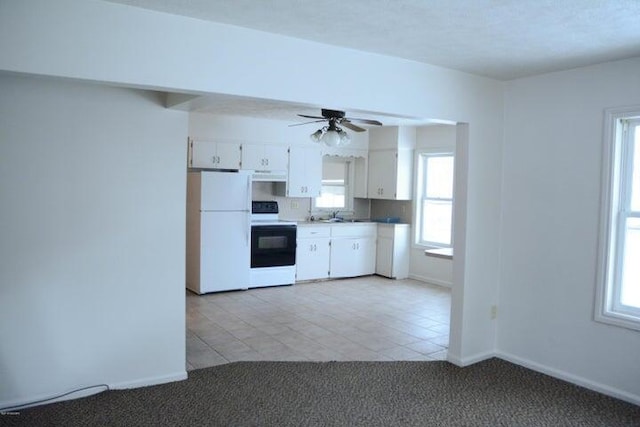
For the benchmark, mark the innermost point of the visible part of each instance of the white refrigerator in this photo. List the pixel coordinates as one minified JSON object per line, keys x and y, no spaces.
{"x":218,"y":231}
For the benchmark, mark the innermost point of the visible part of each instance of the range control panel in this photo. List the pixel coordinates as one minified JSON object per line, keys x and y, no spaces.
{"x":264,"y":207}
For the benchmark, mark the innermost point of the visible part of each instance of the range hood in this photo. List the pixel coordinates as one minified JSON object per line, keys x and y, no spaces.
{"x":269,"y":176}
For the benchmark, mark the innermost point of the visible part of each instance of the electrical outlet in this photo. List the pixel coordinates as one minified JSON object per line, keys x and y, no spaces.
{"x":494,"y":311}
{"x":294,"y":204}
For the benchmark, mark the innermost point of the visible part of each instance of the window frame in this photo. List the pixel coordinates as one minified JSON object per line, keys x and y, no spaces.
{"x":616,"y":197}
{"x":420,"y":195}
{"x":349,"y":188}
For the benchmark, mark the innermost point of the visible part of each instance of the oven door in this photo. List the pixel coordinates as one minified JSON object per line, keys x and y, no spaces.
{"x":273,"y":245}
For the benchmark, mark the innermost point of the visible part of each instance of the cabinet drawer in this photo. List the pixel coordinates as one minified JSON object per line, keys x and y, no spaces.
{"x":313,"y":231}
{"x":354,"y":230}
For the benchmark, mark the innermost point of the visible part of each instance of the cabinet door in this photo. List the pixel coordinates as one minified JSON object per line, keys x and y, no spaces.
{"x":382,"y":175}
{"x":312,"y":259}
{"x":203,"y":154}
{"x":384,"y":257}
{"x":264,"y":157}
{"x":228,"y":154}
{"x":253,"y":157}
{"x":342,"y":257}
{"x":366,"y":256}
{"x":305,"y":172}
{"x":352,"y":257}
{"x":276,"y":157}
{"x":214,"y":155}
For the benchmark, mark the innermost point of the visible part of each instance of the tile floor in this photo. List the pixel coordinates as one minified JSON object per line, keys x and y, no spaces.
{"x":367,"y":318}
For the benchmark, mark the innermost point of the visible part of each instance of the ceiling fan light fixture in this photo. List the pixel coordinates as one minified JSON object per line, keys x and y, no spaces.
{"x":331,"y":136}
{"x":317,"y":135}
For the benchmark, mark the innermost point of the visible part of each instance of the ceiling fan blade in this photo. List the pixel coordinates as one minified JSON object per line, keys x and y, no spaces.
{"x":349,"y":125}
{"x":365,"y":121}
{"x":306,"y":123}
{"x":312,"y":117}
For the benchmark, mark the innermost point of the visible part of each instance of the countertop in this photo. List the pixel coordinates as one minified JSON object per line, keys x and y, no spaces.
{"x":346,"y":222}
{"x":324,"y":222}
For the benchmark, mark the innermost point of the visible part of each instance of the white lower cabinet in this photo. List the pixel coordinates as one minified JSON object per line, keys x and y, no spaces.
{"x":353,"y":250}
{"x":352,"y":257}
{"x":337,"y":250}
{"x":312,"y":252}
{"x":392,"y":257}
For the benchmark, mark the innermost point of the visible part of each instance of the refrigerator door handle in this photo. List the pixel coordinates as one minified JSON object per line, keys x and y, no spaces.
{"x":248,"y":223}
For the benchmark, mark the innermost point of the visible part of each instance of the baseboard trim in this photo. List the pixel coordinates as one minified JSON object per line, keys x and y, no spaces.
{"x":88,"y":391}
{"x":17,"y":405}
{"x":466,"y":361}
{"x":144,"y":382}
{"x":430,"y":280}
{"x":574,"y":379}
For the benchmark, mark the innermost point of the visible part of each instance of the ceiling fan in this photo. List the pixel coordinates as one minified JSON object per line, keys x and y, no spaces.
{"x":332,"y":135}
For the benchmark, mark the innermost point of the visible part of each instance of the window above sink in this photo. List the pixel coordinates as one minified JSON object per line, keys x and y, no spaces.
{"x":337,"y":187}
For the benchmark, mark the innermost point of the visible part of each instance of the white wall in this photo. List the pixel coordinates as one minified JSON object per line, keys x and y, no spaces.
{"x":92,"y":184}
{"x":431,"y":269}
{"x":551,"y":190}
{"x":107,"y":42}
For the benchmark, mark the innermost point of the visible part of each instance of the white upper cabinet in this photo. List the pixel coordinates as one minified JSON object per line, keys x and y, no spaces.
{"x":214,"y":154}
{"x":264,"y":157}
{"x":390,"y":169}
{"x":382,"y":183}
{"x":305,"y":172}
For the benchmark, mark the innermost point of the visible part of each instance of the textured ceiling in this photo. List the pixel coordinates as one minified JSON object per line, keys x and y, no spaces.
{"x":502,"y":39}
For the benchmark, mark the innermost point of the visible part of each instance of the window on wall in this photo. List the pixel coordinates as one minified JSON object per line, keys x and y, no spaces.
{"x":434,"y":201}
{"x":619,"y":267}
{"x":335,"y":193}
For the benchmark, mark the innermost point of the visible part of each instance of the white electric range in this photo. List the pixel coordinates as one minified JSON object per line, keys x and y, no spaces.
{"x":273,"y":247}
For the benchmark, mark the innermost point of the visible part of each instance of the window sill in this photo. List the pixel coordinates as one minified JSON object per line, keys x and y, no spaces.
{"x":444,"y":253}
{"x":618,"y":319}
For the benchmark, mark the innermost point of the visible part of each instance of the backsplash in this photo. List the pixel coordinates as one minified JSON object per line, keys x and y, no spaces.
{"x":392,"y":208}
{"x":299,"y":208}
